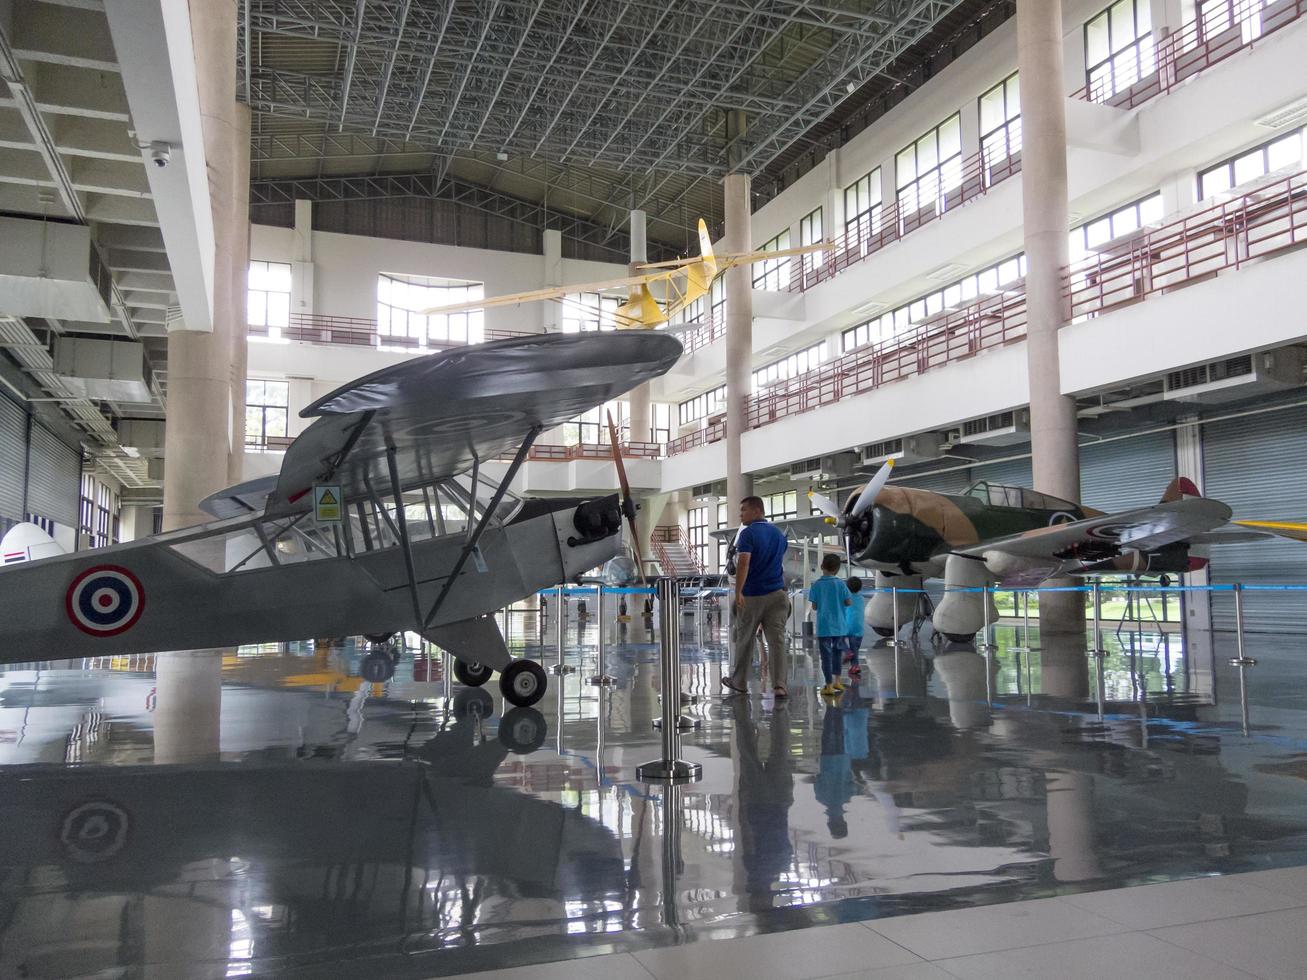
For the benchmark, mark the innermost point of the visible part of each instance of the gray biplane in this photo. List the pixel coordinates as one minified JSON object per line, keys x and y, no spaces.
{"x":425,"y":541}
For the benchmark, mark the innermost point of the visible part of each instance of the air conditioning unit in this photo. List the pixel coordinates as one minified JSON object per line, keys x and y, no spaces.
{"x":1003,"y":429}
{"x":824,"y":467}
{"x":922,"y":447}
{"x":705,"y":490}
{"x":1236,"y":377}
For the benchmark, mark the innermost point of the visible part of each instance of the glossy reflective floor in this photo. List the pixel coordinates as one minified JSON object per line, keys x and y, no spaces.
{"x":266,"y":810}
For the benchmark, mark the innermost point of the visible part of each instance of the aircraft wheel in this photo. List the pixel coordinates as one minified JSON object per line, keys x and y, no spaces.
{"x":885,"y":631}
{"x":472,"y":675}
{"x":474,"y":703}
{"x":961,"y":637}
{"x":523,"y":682}
{"x":523,"y":730}
{"x":377,"y":668}
{"x":378,"y":638}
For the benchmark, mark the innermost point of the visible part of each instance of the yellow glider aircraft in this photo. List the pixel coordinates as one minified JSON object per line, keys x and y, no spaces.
{"x":682,"y":280}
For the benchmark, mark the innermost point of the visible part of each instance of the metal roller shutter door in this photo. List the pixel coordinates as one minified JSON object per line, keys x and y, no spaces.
{"x":13,"y":459}
{"x":1011,"y":473}
{"x":1127,"y":473}
{"x":954,"y":482}
{"x":1258,"y":465}
{"x":53,"y":478}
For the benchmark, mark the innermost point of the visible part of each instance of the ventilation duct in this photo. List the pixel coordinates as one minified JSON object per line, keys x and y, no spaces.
{"x":102,"y":370}
{"x":50,"y":269}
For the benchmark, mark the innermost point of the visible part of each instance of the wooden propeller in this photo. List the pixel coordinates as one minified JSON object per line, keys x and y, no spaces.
{"x":628,"y":505}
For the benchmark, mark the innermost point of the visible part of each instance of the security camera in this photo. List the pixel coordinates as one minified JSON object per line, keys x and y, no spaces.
{"x":160,"y":153}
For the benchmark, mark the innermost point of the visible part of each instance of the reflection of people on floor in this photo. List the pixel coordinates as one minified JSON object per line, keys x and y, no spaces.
{"x":766,"y":794}
{"x":834,"y":780}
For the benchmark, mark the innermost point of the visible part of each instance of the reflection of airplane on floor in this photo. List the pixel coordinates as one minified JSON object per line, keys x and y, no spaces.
{"x":1015,"y":537}
{"x":367,"y":847}
{"x":421,"y":540}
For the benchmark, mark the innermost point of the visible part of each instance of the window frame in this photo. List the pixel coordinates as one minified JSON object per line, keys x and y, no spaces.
{"x":775,"y":274}
{"x":263,"y":406}
{"x":1230,"y":164}
{"x":258,"y":299}
{"x":1134,"y":48}
{"x":1009,"y":128}
{"x":944,"y":174}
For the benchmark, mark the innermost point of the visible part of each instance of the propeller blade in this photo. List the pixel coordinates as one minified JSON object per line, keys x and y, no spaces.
{"x":824,"y":504}
{"x":872,"y":489}
{"x":628,"y":505}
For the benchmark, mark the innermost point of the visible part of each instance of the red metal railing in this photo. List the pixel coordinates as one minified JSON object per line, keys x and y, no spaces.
{"x":706,"y":330}
{"x":594,"y":450}
{"x":1263,"y":222}
{"x":885,"y":226}
{"x":660,"y":537}
{"x":1221,"y":30}
{"x":353,"y":331}
{"x":1223,"y":236}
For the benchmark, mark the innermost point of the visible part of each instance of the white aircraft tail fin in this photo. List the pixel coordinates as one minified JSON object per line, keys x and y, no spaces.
{"x":27,"y":542}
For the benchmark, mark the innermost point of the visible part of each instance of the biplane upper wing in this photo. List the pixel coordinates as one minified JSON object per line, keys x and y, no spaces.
{"x":1141,"y":529}
{"x":443,"y":411}
{"x":794,"y":527}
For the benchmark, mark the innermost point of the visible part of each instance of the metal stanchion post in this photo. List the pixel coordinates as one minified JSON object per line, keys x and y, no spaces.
{"x":984,"y":630}
{"x":446,"y":672}
{"x":894,"y":601}
{"x":1242,"y":661}
{"x":557,"y":668}
{"x":1100,"y":655}
{"x":602,"y":678}
{"x":670,"y":768}
{"x":1024,"y":646}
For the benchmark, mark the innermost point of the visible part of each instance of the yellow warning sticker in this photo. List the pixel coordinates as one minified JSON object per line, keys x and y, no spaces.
{"x":326,"y":504}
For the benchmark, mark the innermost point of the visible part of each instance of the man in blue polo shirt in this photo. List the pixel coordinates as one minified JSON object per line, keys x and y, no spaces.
{"x":760,"y":598}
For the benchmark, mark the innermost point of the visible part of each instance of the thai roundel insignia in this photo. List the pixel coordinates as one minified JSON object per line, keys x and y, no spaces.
{"x":105,"y":600}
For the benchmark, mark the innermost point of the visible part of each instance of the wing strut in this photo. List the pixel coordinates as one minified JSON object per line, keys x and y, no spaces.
{"x":402,"y":519}
{"x":475,"y":536}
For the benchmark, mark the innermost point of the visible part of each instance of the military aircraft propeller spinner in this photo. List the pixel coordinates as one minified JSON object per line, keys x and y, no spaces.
{"x":422,"y":540}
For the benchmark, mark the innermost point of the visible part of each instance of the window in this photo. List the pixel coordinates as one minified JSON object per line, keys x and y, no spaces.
{"x":987,"y":281}
{"x":862,"y":207}
{"x":774,"y":274}
{"x":713,"y":305}
{"x":1283,"y":151}
{"x":780,"y":505}
{"x":1000,"y":123}
{"x":1217,"y":16}
{"x":788,"y":367}
{"x":702,"y":406}
{"x":588,"y":312}
{"x":810,"y":234}
{"x":98,"y":514}
{"x":926,"y":170}
{"x":1118,"y":48}
{"x":723,"y":545}
{"x":1092,"y":235}
{"x":267,"y":296}
{"x":401,"y":322}
{"x":697,"y":528}
{"x":265,"y":410}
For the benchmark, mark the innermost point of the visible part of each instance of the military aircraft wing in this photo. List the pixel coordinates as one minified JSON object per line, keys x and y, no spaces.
{"x":442,"y":411}
{"x":794,"y":527}
{"x":1141,"y":529}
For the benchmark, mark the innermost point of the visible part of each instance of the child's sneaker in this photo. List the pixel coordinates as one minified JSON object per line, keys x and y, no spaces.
{"x":828,"y":691}
{"x":837,"y":687}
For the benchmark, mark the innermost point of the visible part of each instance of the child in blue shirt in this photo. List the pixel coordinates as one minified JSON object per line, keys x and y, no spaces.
{"x":830,"y":597}
{"x":854,"y":625}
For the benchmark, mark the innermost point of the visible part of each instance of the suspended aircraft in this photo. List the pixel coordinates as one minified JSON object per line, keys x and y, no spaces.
{"x":1015,"y":537}
{"x":680,"y":281}
{"x":417,"y":537}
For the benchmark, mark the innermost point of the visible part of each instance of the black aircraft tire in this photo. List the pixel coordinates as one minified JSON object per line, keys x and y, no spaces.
{"x":522,"y":730}
{"x":377,"y":668}
{"x":378,"y":638}
{"x":885,"y":631}
{"x":472,"y":675}
{"x":472,"y":702}
{"x":961,"y":637}
{"x":523,"y":683}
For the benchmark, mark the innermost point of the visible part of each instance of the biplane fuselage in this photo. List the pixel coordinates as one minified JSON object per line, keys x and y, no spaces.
{"x":189,"y":589}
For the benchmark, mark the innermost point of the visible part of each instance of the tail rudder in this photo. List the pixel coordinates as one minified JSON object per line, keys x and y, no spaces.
{"x":1180,"y":487}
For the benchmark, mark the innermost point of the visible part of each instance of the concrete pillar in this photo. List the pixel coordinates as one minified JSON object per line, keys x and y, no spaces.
{"x":1069,"y":802}
{"x":240,"y":265}
{"x":301,"y":267}
{"x":641,"y":413}
{"x":188,"y":706}
{"x":198,"y":437}
{"x":739,"y":334}
{"x":552,"y":245}
{"x":1054,"y":449}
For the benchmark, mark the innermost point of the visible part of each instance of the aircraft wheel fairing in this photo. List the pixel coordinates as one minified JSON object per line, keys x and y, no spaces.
{"x":472,"y":702}
{"x":378,"y":638}
{"x":885,"y":631}
{"x":377,"y":668}
{"x":523,"y":683}
{"x":960,"y":637}
{"x":523,"y":730}
{"x":473,"y":675}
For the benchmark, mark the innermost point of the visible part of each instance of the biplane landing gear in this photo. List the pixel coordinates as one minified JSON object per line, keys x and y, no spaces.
{"x":379,"y":639}
{"x":522,"y":730}
{"x":377,"y":667}
{"x":523,"y":683}
{"x":472,"y":675}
